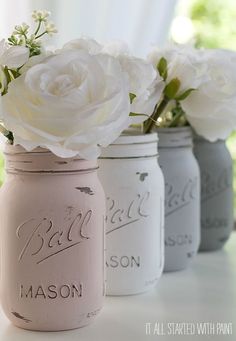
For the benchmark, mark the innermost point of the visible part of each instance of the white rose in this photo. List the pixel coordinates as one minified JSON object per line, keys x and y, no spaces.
{"x":85,"y":43}
{"x":12,"y":57}
{"x":144,"y":81}
{"x":116,"y":48}
{"x":36,"y":60}
{"x":70,"y":103}
{"x":183,"y":63}
{"x":211,"y":109}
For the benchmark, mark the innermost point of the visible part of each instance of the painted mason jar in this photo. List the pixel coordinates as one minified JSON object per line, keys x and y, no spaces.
{"x":182,"y":197}
{"x":134,"y":188}
{"x":52,"y":240}
{"x":217,"y":218}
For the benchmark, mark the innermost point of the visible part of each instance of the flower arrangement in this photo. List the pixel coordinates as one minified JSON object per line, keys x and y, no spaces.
{"x":74,"y":100}
{"x":17,"y":51}
{"x":81,"y":97}
{"x":200,"y":90}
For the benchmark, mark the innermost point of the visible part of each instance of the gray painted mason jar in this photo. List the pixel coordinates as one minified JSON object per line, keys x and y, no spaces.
{"x":217,"y":218}
{"x":182,"y":197}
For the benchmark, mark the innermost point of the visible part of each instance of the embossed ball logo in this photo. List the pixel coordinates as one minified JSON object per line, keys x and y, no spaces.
{"x":43,"y":238}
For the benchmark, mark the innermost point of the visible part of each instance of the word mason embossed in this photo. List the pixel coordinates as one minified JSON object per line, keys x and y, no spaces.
{"x":51,"y":291}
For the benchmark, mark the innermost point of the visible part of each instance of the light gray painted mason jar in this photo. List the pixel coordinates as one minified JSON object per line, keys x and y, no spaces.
{"x":217,"y":217}
{"x":182,"y":197}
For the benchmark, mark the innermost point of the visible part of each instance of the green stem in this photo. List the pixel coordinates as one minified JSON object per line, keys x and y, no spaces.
{"x":150,"y":122}
{"x":38,"y":28}
{"x":8,"y":134}
{"x":19,"y":68}
{"x":40,"y":35}
{"x":8,"y":77}
{"x":25,"y":36}
{"x":175,"y":120}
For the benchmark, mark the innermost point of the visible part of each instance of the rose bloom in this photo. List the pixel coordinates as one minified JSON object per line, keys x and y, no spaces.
{"x":211,"y":108}
{"x":144,"y":82}
{"x":85,"y":43}
{"x":13,"y":57}
{"x":183,"y":63}
{"x":70,"y":103}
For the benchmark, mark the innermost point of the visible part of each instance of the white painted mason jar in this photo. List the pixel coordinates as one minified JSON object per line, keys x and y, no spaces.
{"x":217,"y":215}
{"x":134,"y":187}
{"x":182,"y":197}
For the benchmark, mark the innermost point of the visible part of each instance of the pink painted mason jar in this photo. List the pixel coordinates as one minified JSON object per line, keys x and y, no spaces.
{"x":52,"y":240}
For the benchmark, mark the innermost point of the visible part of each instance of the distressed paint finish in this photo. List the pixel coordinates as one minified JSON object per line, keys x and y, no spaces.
{"x":182,"y":197}
{"x":217,"y":216}
{"x":52,"y":241}
{"x":134,"y":188}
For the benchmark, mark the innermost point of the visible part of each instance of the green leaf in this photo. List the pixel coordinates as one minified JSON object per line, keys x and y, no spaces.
{"x":172,"y":88}
{"x":10,"y":137}
{"x":135,"y":114}
{"x":149,"y":117}
{"x":132,"y":97}
{"x":184,"y":95}
{"x":12,"y":40}
{"x":162,"y":68}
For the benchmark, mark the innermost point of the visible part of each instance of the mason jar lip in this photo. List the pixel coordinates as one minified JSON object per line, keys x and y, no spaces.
{"x":176,"y":137}
{"x":174,"y":130}
{"x":43,"y":161}
{"x":134,"y":136}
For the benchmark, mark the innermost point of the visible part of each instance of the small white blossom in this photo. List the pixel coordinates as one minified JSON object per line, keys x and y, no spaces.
{"x":50,"y":28}
{"x":21,"y":29}
{"x":41,"y":15}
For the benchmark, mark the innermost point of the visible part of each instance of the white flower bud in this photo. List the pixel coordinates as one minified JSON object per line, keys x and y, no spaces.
{"x":21,"y":29}
{"x":41,"y":15}
{"x":50,"y":28}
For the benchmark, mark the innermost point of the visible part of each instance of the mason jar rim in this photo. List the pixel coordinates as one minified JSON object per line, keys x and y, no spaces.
{"x":177,"y":137}
{"x":43,"y":161}
{"x":132,"y":136}
{"x":132,"y":144}
{"x":173,"y":130}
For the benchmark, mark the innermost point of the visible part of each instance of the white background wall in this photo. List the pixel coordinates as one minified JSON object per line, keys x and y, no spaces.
{"x":139,"y":22}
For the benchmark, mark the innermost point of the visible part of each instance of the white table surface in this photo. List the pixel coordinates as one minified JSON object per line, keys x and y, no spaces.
{"x":204,"y":293}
